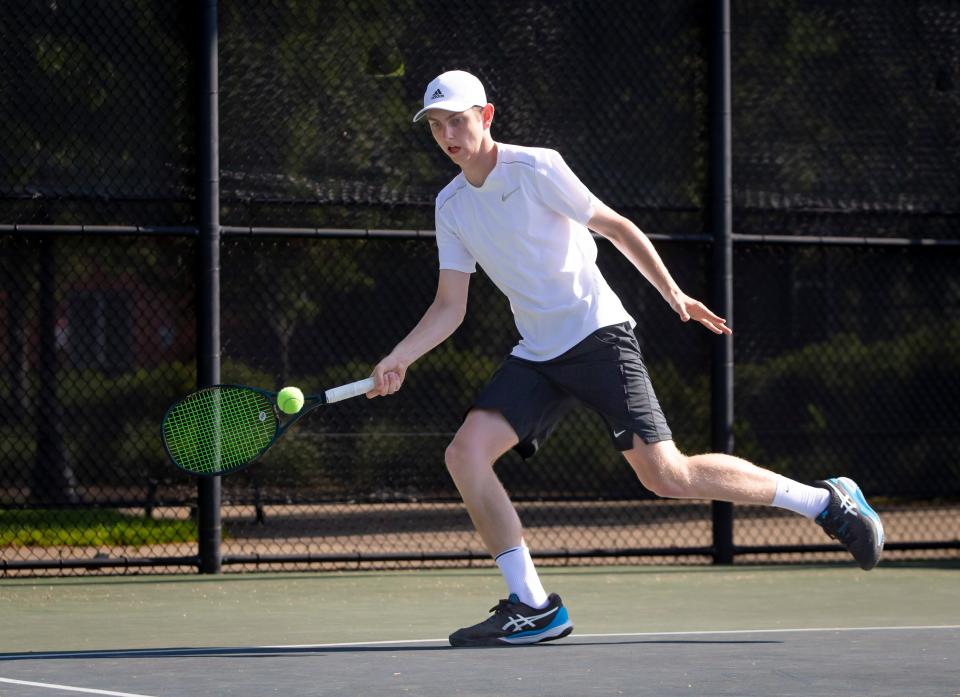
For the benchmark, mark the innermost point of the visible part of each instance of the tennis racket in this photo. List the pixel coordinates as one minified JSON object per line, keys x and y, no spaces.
{"x":224,"y":428}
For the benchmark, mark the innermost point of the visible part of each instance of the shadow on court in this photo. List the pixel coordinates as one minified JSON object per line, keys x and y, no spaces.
{"x":254,"y":652}
{"x":817,"y":663}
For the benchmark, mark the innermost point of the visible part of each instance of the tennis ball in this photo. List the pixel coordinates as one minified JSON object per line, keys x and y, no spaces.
{"x":290,"y":400}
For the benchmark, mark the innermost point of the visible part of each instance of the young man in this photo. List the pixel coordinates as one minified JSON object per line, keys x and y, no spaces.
{"x":523,"y":216}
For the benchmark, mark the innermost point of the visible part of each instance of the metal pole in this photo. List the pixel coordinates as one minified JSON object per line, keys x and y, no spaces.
{"x":208,"y":269}
{"x":721,"y":221}
{"x":52,"y":478}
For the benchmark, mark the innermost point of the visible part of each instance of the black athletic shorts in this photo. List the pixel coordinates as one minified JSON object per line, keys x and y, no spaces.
{"x":605,"y":372}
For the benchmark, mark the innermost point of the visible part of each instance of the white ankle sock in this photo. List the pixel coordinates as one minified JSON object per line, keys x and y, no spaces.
{"x":800,"y":498}
{"x":521,"y":576}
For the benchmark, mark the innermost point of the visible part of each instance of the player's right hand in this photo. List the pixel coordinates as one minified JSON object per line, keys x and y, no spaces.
{"x":389,"y":374}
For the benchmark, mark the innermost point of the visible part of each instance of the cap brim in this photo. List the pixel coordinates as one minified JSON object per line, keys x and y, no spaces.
{"x":445,"y":105}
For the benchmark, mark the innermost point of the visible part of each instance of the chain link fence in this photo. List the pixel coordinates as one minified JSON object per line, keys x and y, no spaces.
{"x":99,"y":113}
{"x":845,"y":126}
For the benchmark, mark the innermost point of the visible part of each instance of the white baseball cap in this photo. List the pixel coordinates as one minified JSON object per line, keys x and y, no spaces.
{"x":454,"y":90}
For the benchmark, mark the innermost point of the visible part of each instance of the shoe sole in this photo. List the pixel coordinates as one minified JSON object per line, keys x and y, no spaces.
{"x":550,"y":634}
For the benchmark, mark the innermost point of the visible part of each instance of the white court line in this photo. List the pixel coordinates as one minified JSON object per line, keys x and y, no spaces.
{"x":201,"y":651}
{"x":68,"y":688}
{"x":634,"y":634}
{"x":776,"y":631}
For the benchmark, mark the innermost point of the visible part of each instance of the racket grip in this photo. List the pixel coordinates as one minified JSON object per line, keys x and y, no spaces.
{"x":353,"y":389}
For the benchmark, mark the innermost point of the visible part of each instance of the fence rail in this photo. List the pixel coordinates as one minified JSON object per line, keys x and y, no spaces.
{"x":282,"y":151}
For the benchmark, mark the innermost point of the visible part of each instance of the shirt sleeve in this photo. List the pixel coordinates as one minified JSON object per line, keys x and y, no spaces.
{"x":452,"y":253}
{"x":561,"y":190}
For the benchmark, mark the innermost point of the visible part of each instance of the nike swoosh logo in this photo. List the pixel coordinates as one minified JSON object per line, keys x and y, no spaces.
{"x":504,"y":197}
{"x":617,"y":434}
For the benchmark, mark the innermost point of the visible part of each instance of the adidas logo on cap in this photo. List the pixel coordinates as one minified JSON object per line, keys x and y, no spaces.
{"x":454,"y":90}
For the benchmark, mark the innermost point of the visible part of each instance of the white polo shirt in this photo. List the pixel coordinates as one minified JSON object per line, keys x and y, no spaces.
{"x":526,"y":227}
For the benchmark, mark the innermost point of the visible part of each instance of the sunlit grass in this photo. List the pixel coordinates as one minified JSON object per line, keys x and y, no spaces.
{"x":82,"y":527}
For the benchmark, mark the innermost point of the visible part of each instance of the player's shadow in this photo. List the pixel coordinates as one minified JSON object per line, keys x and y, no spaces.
{"x":724,"y":642}
{"x":292,"y":651}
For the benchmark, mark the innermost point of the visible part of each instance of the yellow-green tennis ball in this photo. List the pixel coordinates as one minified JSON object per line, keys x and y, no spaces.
{"x":290,"y":400}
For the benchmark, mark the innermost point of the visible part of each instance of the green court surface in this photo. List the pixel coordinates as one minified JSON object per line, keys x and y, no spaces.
{"x":813,"y":631}
{"x":144,"y":612}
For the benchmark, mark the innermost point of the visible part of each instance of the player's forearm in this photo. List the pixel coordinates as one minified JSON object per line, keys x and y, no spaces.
{"x":638,"y":248}
{"x":438,"y":322}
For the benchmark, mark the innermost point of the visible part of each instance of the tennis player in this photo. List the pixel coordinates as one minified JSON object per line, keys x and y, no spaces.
{"x":524,"y":217}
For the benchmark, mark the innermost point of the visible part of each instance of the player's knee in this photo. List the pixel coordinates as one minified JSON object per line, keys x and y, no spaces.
{"x":666,"y":475}
{"x":478,"y":444}
{"x":461,"y":458}
{"x":673,"y":484}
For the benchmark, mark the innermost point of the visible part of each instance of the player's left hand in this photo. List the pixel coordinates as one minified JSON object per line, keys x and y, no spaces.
{"x":691,"y":309}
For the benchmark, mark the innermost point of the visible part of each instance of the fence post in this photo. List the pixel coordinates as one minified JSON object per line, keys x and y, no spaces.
{"x":721,"y":223}
{"x":208,"y":268}
{"x":52,"y":478}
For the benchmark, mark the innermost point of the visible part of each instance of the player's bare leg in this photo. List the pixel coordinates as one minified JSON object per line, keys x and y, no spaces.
{"x":528,"y":615}
{"x":837,"y":505}
{"x":481,"y":440}
{"x":667,"y":472}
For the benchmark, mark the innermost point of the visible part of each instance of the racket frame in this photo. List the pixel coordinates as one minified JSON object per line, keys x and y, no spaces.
{"x":310,"y":403}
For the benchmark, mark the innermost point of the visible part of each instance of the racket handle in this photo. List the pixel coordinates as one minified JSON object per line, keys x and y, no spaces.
{"x":354,"y":389}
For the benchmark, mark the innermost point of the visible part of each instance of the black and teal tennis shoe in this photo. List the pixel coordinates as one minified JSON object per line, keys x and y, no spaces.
{"x":849,"y":519}
{"x":514,"y":622}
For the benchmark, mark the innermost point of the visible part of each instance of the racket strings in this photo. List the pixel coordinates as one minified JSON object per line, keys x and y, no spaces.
{"x":219,"y":429}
